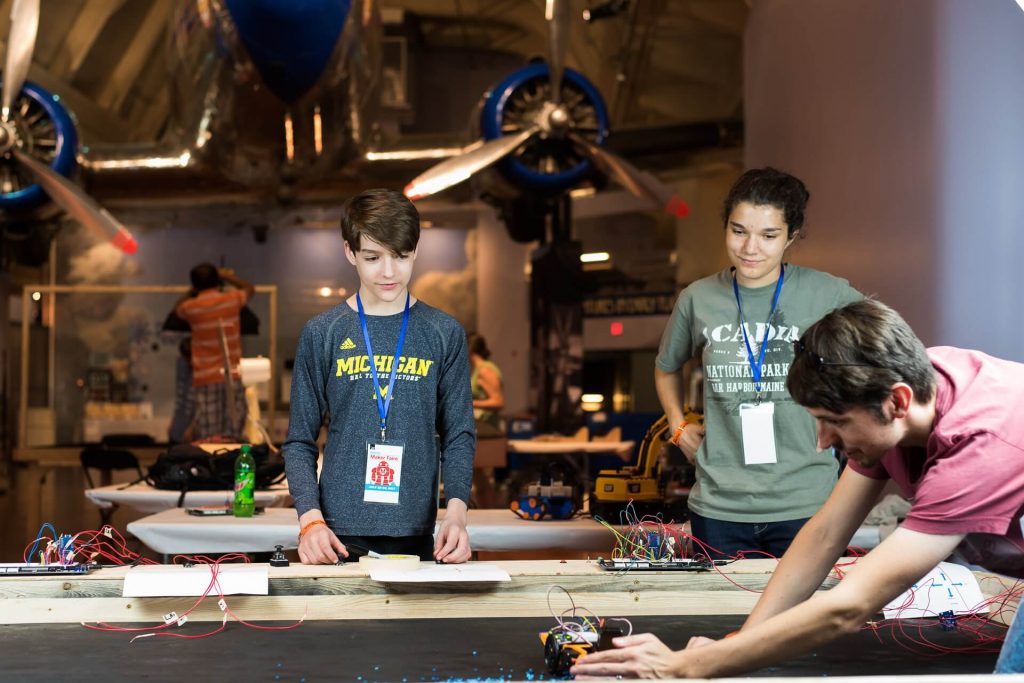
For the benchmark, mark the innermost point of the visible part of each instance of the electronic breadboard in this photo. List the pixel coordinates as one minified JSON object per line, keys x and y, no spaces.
{"x":639,"y":564}
{"x":34,"y":569}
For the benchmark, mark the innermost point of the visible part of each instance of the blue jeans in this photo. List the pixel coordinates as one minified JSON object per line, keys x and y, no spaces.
{"x":1011,"y":657}
{"x":729,"y":538}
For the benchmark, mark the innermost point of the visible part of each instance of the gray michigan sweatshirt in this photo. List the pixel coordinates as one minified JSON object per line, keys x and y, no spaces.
{"x":431,"y":407}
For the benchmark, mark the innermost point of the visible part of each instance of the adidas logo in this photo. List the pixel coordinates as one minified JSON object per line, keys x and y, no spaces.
{"x":348,"y":344}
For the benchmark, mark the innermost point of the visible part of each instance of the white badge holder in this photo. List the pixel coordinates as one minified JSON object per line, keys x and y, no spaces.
{"x":757,"y":422}
{"x":383,"y":481}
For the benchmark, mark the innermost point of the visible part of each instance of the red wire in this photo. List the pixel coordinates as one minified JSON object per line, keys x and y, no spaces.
{"x":159,"y":630}
{"x":912,"y":634}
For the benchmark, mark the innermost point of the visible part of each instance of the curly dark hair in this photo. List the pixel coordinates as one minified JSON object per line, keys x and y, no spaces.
{"x":770,"y":187}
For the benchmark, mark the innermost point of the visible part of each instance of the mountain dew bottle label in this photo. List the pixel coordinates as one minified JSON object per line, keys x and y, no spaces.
{"x":245,"y":483}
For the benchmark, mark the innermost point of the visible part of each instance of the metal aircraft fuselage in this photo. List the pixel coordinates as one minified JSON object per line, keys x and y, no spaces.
{"x":270,"y":91}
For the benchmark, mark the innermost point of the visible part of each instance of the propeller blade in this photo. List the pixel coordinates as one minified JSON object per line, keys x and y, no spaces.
{"x":557,"y":14}
{"x":453,"y":171}
{"x":73,"y":200}
{"x":20,"y":43}
{"x":640,"y":183}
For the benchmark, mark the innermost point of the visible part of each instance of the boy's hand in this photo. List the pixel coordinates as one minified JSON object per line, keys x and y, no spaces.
{"x":451,"y":546}
{"x":319,"y":545}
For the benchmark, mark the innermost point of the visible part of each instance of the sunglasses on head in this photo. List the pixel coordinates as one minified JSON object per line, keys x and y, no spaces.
{"x":819,"y":362}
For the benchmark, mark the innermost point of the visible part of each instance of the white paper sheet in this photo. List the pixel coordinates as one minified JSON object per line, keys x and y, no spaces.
{"x":443,"y":573}
{"x":150,"y":581}
{"x":947,"y":587}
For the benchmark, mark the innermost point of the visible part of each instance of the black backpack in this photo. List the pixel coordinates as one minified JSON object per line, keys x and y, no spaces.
{"x":184,"y":467}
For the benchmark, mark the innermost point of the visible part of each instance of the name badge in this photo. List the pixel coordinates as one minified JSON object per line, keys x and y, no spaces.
{"x":757,"y":422}
{"x":383,"y":472}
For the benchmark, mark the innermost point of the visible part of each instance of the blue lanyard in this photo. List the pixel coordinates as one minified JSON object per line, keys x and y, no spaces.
{"x":756,"y":367}
{"x":383,"y":404}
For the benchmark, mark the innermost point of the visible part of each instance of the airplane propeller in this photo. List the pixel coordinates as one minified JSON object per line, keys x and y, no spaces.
{"x":20,"y":149}
{"x":453,"y":171}
{"x":20,"y":45}
{"x":640,"y":183}
{"x":552,"y":120}
{"x":556,"y":12}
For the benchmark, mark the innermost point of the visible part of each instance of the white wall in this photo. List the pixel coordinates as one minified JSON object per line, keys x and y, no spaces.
{"x":981,"y":183}
{"x":906,"y":120}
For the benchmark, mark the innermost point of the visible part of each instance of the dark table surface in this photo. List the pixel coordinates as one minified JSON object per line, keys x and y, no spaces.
{"x":413,"y":650}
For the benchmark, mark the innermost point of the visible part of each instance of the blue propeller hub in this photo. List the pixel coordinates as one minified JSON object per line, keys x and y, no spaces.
{"x":43,"y":128}
{"x":289,"y":41}
{"x":545,"y":165}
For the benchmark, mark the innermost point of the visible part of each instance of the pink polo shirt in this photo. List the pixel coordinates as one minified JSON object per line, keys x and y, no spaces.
{"x":970,"y":476}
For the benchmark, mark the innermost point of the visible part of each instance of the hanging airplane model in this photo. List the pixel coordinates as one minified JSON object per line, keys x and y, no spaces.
{"x":545,"y":125}
{"x":269,"y":93}
{"x":38,"y":140}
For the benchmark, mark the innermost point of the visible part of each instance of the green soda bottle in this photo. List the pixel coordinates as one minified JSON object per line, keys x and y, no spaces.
{"x":245,"y":483}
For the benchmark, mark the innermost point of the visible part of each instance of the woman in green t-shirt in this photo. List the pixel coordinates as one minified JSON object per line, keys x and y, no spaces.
{"x":759,"y":473}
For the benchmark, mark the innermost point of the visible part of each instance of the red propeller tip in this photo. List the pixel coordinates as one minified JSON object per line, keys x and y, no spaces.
{"x":677,"y":207}
{"x":124,"y":241}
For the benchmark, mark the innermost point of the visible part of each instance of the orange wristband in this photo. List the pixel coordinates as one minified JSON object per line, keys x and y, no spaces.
{"x":730,"y":634}
{"x":678,"y":433}
{"x":315,"y":522}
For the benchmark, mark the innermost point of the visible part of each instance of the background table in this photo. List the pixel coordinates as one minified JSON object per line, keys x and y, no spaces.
{"x":621,"y":448}
{"x":145,"y":498}
{"x":570,"y":450}
{"x":174,"y":532}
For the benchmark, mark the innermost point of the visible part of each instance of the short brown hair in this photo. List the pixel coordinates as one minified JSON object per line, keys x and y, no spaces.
{"x":853,"y":356}
{"x":385,"y":216}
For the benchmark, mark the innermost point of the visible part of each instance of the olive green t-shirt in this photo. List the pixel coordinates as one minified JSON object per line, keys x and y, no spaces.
{"x":488,"y":420}
{"x":706,"y":320}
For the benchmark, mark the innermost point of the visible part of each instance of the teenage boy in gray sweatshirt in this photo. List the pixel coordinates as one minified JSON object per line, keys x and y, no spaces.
{"x":393,"y":421}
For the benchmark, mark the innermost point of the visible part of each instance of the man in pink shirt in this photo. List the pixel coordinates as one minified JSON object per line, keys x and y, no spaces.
{"x":944,"y":424}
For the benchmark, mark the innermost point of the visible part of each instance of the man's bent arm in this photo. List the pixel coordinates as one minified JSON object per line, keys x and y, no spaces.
{"x":877,"y":578}
{"x":873,"y":581}
{"x":821,"y":541}
{"x":781,"y":625}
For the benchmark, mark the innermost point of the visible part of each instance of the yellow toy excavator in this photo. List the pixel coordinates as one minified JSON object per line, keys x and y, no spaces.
{"x":641,"y":484}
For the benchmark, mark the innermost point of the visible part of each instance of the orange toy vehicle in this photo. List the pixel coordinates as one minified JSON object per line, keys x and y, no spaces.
{"x":574,"y":638}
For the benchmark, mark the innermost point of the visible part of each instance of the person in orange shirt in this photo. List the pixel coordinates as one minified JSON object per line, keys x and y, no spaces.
{"x":213,"y":314}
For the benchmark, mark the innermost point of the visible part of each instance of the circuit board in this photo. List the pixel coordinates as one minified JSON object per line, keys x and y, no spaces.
{"x":34,"y":569}
{"x":638,"y":564}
